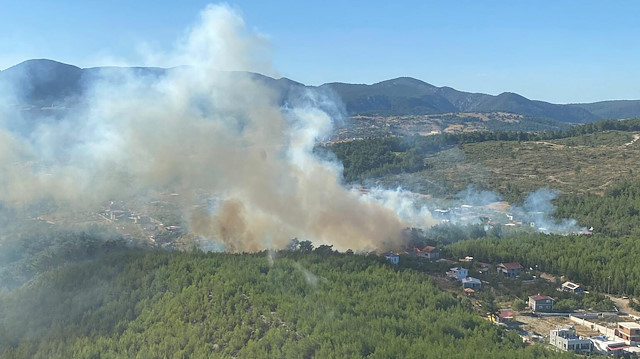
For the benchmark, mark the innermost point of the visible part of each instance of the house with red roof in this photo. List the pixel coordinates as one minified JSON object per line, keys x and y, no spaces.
{"x":540,"y":303}
{"x":503,"y":316}
{"x":510,"y":270}
{"x":506,"y":315}
{"x":429,"y":252}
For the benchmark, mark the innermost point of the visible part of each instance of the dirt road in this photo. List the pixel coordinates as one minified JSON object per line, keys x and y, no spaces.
{"x":623,"y":305}
{"x":635,"y":138}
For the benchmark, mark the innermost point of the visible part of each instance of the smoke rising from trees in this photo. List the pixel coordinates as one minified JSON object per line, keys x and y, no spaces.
{"x":201,"y":128}
{"x":242,"y":162}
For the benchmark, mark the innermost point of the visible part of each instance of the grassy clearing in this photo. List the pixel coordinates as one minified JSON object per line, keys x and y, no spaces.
{"x":583,"y":164}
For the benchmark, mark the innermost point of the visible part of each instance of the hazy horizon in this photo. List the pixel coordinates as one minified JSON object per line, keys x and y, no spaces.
{"x":296,"y":80}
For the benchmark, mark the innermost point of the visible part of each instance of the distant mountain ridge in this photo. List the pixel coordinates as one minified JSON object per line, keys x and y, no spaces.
{"x":44,"y":82}
{"x":408,"y":96}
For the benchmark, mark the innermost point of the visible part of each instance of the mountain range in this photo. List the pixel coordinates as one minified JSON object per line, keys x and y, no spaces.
{"x":45,"y":83}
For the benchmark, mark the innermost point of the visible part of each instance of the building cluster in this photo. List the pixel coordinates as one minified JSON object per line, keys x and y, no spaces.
{"x":117,"y":212}
{"x":469,"y":284}
{"x":497,"y":214}
{"x":623,"y":340}
{"x":429,"y":253}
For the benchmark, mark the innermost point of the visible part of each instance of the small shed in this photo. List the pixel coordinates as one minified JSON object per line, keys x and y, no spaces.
{"x":469,"y":291}
{"x":506,"y":315}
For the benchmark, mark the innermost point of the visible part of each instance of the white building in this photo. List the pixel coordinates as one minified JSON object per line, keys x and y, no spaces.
{"x":565,"y":338}
{"x":458,"y":273}
{"x":572,"y":287}
{"x":604,"y":345}
{"x":470,"y":282}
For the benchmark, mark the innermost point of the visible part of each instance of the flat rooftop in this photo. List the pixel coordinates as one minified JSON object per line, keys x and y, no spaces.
{"x":630,"y":325}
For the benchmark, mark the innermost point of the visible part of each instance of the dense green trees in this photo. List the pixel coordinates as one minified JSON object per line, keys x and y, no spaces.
{"x":37,"y":248}
{"x":376,"y":157}
{"x":617,"y":213}
{"x":150,"y":304}
{"x":72,"y":295}
{"x":602,"y":263}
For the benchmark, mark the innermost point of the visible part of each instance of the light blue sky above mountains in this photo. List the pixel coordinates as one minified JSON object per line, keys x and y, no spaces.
{"x":557,"y":51}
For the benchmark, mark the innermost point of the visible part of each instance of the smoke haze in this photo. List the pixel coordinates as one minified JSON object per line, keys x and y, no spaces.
{"x":200,"y":129}
{"x":240,"y":162}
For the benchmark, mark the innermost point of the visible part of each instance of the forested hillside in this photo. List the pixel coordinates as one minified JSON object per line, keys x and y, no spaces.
{"x":38,"y":248}
{"x":616,"y":213}
{"x":70,"y":294}
{"x":605,"y":264}
{"x":594,"y":166}
{"x":150,"y":304}
{"x":584,"y":159}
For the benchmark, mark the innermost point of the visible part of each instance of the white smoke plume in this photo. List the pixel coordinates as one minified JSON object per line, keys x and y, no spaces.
{"x":411,"y":207}
{"x":311,"y":279}
{"x":213,"y":134}
{"x":203,"y":128}
{"x":539,"y":211}
{"x":473,"y":206}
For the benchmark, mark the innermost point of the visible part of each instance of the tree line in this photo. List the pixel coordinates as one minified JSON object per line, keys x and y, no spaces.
{"x":379,"y":156}
{"x":616,"y":213}
{"x":603,"y":263}
{"x":287,"y":304}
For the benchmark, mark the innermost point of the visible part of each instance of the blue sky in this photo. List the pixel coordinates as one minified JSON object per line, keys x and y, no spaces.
{"x":558,"y":51}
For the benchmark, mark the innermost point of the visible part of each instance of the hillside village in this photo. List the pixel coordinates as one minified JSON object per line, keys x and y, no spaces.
{"x":539,"y":307}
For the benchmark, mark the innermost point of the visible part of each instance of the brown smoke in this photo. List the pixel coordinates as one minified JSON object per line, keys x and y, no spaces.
{"x":204,"y":130}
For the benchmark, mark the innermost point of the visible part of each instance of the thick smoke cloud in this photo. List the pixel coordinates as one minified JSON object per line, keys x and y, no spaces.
{"x":202,"y":130}
{"x":241,"y":161}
